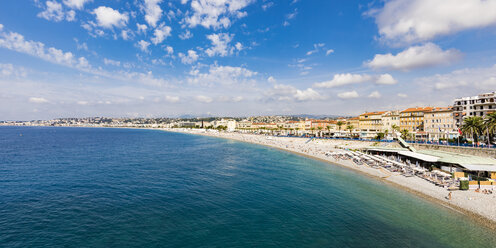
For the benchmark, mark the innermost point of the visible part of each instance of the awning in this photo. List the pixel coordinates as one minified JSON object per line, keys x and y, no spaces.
{"x":480,"y":167}
{"x":423,"y":157}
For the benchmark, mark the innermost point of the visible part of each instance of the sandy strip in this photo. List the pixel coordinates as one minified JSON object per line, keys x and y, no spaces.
{"x":479,"y":206}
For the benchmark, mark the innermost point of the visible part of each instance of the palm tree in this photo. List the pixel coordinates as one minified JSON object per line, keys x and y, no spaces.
{"x":320,"y":131}
{"x":350,"y":128}
{"x":328,"y":127}
{"x":404,"y":134}
{"x":490,"y":125}
{"x":395,"y":127}
{"x":313,"y":129}
{"x":473,"y":126}
{"x":339,"y":123}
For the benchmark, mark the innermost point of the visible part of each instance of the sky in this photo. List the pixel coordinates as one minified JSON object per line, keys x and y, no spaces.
{"x":159,"y":58}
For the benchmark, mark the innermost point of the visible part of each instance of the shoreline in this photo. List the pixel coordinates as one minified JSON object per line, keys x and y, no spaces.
{"x":461,"y":207}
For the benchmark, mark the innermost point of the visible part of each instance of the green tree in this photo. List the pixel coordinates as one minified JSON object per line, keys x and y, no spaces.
{"x":328,"y":127}
{"x":320,"y":131}
{"x":350,"y":128}
{"x":379,"y":136}
{"x":340,"y":124}
{"x":405,"y":134}
{"x":473,"y":126}
{"x":490,"y":126}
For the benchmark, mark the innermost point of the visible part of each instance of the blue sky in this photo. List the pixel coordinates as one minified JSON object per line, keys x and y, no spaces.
{"x":158,"y":58}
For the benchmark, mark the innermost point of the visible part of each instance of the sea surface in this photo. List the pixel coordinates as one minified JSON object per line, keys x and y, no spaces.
{"x":96,"y":187}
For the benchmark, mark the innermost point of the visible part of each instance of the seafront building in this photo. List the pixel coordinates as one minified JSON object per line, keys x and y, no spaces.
{"x":412,"y":120}
{"x":390,"y":122}
{"x":439,"y":124}
{"x":479,"y":105}
{"x":370,"y":123}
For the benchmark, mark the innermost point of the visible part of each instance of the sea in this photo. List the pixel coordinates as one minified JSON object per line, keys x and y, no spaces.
{"x":110,"y":187}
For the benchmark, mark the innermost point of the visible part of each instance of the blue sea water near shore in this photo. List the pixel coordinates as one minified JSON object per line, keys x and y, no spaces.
{"x":95,"y":187}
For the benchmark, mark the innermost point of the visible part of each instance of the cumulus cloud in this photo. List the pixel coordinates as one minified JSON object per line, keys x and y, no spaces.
{"x":55,"y":12}
{"x":76,"y":4}
{"x":402,"y":95}
{"x":111,"y":62}
{"x":189,"y":58}
{"x":385,"y":79}
{"x":172,"y":99}
{"x":107,"y":17}
{"x":8,"y":70}
{"x":169,"y":50}
{"x":141,"y":28}
{"x":410,"y":21}
{"x":348,"y":95}
{"x":271,"y":79}
{"x":161,"y":33}
{"x":215,"y":13}
{"x":186,"y":35}
{"x":348,"y":78}
{"x":16,"y":42}
{"x":414,"y":57}
{"x":204,"y":99}
{"x":375,"y":94}
{"x":217,"y":74}
{"x":143,"y":45}
{"x":220,"y":45}
{"x":37,"y":100}
{"x":283,"y":92}
{"x":153,"y":12}
{"x":329,"y":51}
{"x":469,"y":78}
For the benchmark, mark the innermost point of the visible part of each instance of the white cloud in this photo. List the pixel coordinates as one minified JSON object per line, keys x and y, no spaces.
{"x":220,"y":44}
{"x":414,"y":57}
{"x":348,"y":95}
{"x":386,"y":79}
{"x":271,"y":79}
{"x":215,"y":13}
{"x":348,"y":78}
{"x":221,"y":75}
{"x":153,"y":12}
{"x":107,"y":17}
{"x":204,"y":99}
{"x":143,"y":45}
{"x":54,"y":12}
{"x":410,"y":21}
{"x":283,"y":92}
{"x":172,"y":99}
{"x":1,"y":27}
{"x":316,"y":48}
{"x":16,"y":42}
{"x":169,"y":50}
{"x":344,"y":79}
{"x":111,"y":62}
{"x":37,"y":100}
{"x":469,"y":78}
{"x":161,"y":33}
{"x":267,"y":5}
{"x":329,"y":52}
{"x":141,"y":28}
{"x":186,"y":35}
{"x":190,"y":58}
{"x":402,"y":95}
{"x":76,"y":4}
{"x":8,"y":70}
{"x":375,"y":95}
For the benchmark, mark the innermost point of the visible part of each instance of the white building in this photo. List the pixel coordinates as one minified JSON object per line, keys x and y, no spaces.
{"x":479,"y":105}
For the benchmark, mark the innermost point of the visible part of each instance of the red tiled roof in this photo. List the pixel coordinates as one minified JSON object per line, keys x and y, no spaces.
{"x":417,"y":109}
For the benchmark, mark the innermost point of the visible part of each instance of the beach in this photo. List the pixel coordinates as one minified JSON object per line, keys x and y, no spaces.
{"x":480,"y":206}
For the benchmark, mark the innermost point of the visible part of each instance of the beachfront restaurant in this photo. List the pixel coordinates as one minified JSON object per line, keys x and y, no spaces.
{"x":480,"y":171}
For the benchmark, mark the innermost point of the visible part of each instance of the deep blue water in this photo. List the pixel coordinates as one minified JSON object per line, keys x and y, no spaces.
{"x":90,"y":187}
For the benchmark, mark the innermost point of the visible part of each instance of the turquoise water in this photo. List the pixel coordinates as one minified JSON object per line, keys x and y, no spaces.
{"x":83,"y":187}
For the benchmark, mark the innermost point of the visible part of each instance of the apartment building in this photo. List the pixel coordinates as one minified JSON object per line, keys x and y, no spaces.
{"x":479,"y":105}
{"x":370,"y":123}
{"x":389,"y":120}
{"x":412,"y":119}
{"x":440,"y":124}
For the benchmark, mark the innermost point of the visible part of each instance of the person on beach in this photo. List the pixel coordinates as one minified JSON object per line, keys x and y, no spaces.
{"x":449,"y":196}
